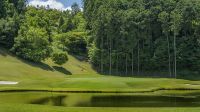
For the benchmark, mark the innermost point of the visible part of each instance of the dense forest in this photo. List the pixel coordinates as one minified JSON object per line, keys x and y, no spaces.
{"x":39,"y":33}
{"x":11,"y":15}
{"x":119,"y":37}
{"x":144,"y":36}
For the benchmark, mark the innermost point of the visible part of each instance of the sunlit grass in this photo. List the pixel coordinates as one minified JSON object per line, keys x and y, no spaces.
{"x":83,"y":78}
{"x":33,"y":76}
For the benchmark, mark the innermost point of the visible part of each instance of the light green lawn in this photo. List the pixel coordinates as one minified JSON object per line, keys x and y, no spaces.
{"x":44,"y":77}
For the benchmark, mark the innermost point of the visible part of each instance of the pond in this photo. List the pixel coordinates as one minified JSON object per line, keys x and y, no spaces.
{"x":99,"y":99}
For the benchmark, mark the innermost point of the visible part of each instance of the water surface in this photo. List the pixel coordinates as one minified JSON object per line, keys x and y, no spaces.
{"x":100,"y":99}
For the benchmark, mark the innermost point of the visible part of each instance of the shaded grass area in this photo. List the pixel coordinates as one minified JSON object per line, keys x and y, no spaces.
{"x":21,"y":67}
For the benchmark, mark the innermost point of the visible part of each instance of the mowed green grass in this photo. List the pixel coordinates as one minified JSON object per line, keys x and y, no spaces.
{"x":13,"y":67}
{"x":83,"y":78}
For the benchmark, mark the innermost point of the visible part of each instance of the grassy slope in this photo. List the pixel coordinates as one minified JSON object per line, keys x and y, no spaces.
{"x":40,"y":76}
{"x":22,"y":69}
{"x":47,"y":77}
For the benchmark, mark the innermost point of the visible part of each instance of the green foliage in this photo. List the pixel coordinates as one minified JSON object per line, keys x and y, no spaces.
{"x":67,"y":26}
{"x":143,"y":35}
{"x":79,"y":22}
{"x":32,"y":44}
{"x":35,"y":36}
{"x":73,"y":42}
{"x":29,"y":31}
{"x":75,"y":9}
{"x":69,"y":23}
{"x":11,"y":15}
{"x":35,"y":39}
{"x":7,"y":32}
{"x":59,"y":57}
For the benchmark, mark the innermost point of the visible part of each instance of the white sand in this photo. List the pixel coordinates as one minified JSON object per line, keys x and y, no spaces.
{"x":192,"y":85}
{"x":8,"y":83}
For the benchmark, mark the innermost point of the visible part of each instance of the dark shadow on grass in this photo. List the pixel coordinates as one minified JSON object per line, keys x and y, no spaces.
{"x":185,"y":75}
{"x":38,"y":64}
{"x":141,"y":75}
{"x":193,"y":76}
{"x":62,"y":70}
{"x":80,"y":57}
{"x":3,"y":52}
{"x":6,"y":52}
{"x":41,"y":65}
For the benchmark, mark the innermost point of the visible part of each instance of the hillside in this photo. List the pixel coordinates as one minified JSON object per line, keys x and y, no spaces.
{"x":16,"y":68}
{"x":99,"y":56}
{"x":75,"y":75}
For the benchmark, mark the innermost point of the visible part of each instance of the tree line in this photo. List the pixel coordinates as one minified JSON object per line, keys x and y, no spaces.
{"x":144,"y":36}
{"x":120,"y":37}
{"x":39,"y":33}
{"x":11,"y":15}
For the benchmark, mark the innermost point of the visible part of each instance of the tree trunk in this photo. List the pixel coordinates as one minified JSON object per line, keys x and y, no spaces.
{"x":169,"y":56}
{"x":110,"y":71}
{"x":102,"y":55}
{"x":126,"y":64}
{"x":175,"y":74}
{"x":132,"y":61}
{"x":117,"y":64}
{"x":138,"y":57}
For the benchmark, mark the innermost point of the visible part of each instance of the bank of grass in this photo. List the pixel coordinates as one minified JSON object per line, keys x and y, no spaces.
{"x":38,"y":108}
{"x":14,"y":67}
{"x":99,"y":84}
{"x":77,"y":76}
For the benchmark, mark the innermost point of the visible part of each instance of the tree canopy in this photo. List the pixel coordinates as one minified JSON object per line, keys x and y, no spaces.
{"x":31,"y":32}
{"x":122,"y":37}
{"x":145,"y":36}
{"x":11,"y":15}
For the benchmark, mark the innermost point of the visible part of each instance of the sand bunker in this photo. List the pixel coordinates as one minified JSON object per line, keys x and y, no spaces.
{"x":8,"y":83}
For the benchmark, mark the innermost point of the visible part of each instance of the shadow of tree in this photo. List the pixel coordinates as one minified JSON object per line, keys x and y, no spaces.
{"x":62,"y":70}
{"x":39,"y":65}
{"x":80,"y":57}
{"x":6,"y":52}
{"x":3,"y":52}
{"x":185,"y":75}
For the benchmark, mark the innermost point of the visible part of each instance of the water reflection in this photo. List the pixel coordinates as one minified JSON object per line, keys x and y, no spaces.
{"x":55,"y":101}
{"x":144,"y":101}
{"x":101,"y":100}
